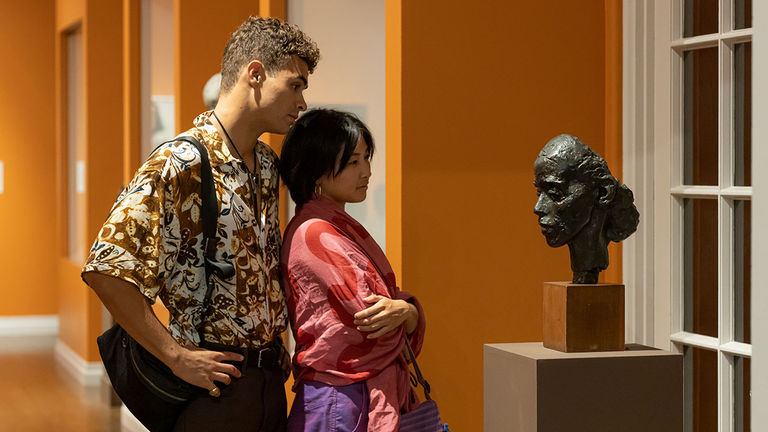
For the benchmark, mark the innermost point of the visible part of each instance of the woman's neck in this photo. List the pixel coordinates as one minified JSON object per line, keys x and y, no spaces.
{"x":337,"y":204}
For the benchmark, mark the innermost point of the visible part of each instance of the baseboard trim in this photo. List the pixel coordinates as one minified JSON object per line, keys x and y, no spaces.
{"x":88,"y":374}
{"x":129,"y":423}
{"x":29,"y":325}
{"x":28,"y":333}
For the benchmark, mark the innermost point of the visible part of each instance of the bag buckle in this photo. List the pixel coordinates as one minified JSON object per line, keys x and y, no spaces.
{"x":262,"y":351}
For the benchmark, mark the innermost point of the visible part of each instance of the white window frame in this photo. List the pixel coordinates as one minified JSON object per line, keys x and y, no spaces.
{"x":652,"y":128}
{"x":759,"y":385}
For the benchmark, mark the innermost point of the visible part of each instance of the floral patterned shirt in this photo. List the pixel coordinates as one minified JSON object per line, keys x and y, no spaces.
{"x":152,"y":238}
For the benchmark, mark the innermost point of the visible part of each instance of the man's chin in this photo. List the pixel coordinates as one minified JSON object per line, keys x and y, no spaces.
{"x":282,"y":131}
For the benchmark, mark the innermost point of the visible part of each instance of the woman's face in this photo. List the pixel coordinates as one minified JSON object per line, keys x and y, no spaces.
{"x":351,"y":184}
{"x":564,"y":205}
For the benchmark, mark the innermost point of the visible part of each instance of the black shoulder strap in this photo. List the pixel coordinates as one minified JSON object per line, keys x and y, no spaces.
{"x":210,"y":217}
{"x":210,"y":211}
{"x":419,"y":377}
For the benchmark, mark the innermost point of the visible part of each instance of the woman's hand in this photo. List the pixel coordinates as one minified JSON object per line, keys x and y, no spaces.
{"x":386,"y":315}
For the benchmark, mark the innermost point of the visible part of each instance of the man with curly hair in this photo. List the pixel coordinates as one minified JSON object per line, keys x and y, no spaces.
{"x":151,"y":243}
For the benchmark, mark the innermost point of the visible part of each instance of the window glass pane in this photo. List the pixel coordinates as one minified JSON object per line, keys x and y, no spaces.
{"x":742,"y":394}
{"x":700,"y":17}
{"x":700,"y":266}
{"x":742,"y":270}
{"x":700,"y":380}
{"x":742,"y":11}
{"x":700,"y":128}
{"x":742,"y":113}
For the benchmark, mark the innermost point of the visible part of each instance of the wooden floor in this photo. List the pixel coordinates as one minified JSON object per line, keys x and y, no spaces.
{"x":36,"y":395}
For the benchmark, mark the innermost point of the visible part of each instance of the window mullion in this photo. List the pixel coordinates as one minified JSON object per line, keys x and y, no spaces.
{"x":676,"y":173}
{"x":725,"y":225}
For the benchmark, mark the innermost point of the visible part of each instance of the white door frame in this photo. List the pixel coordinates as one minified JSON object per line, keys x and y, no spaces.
{"x":646,"y":130}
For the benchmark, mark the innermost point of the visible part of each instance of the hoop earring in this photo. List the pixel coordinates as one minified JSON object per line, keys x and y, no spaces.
{"x":318,"y":190}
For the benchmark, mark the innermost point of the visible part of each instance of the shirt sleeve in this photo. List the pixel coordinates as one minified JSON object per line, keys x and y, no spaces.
{"x":135,"y":243}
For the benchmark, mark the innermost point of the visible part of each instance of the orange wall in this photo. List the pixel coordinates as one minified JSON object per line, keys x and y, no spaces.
{"x":200,"y":39}
{"x":27,"y":222}
{"x":198,"y":55}
{"x":101,"y":24}
{"x":131,"y":88}
{"x":483,"y":88}
{"x":110,"y":37}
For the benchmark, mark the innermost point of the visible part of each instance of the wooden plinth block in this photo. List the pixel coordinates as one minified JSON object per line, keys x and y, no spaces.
{"x":583,"y":317}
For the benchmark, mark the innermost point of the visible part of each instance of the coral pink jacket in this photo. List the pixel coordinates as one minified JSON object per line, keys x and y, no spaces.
{"x":329,"y":264}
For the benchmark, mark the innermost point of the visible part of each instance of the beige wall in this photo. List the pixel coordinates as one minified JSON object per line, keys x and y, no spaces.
{"x":157,"y":73}
{"x":350,"y":76}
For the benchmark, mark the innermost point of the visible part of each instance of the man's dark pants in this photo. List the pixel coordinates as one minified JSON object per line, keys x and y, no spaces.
{"x":254,"y":402}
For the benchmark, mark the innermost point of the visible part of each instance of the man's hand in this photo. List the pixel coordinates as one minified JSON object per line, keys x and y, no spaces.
{"x":386,"y":315}
{"x":202,"y":367}
{"x":132,"y":310}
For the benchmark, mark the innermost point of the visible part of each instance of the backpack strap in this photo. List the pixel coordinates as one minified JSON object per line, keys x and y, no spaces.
{"x":210,"y":219}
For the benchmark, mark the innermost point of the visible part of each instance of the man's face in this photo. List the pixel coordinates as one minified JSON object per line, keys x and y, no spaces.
{"x":282,"y":96}
{"x":564,"y":205}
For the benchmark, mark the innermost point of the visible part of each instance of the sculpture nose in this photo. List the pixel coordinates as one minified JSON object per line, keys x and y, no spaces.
{"x":540,"y":209}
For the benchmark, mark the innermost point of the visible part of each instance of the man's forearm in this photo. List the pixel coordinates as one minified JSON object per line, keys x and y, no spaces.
{"x":132,"y":311}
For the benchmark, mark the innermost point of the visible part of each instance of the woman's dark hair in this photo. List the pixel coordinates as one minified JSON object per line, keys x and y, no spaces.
{"x":321,"y":142}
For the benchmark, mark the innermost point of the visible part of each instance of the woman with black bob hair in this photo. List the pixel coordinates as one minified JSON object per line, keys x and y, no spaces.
{"x":349,"y":318}
{"x":308,"y":154}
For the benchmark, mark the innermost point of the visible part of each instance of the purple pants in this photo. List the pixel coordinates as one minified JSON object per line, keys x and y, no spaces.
{"x":321,"y":407}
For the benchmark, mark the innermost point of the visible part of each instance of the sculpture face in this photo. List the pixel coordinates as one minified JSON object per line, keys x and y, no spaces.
{"x":565,"y":202}
{"x":581,"y":204}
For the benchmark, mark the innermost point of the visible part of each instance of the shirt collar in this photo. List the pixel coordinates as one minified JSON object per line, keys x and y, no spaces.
{"x":218,"y":152}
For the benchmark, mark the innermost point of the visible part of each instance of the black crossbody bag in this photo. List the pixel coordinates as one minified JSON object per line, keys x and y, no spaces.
{"x":147,"y":387}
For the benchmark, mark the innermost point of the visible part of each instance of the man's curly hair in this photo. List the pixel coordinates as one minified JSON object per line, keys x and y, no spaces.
{"x":268,"y":40}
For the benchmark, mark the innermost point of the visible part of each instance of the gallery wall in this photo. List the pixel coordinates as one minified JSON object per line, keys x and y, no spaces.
{"x":351,"y":77}
{"x":472,"y":94}
{"x":27,"y":279}
{"x":197,"y":53}
{"x":476,"y":90}
{"x":100,"y":146}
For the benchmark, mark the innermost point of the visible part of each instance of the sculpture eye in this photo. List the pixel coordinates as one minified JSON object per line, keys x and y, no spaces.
{"x":555,"y":194}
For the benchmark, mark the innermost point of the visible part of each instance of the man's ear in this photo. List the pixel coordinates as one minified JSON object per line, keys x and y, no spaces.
{"x":606,"y":193}
{"x":254,"y":72}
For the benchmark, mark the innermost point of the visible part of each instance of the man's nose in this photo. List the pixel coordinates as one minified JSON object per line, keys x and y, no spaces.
{"x":302,"y":103}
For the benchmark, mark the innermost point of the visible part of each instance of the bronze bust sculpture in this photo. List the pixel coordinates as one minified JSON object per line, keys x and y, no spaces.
{"x":581,"y":204}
